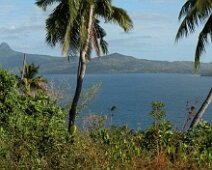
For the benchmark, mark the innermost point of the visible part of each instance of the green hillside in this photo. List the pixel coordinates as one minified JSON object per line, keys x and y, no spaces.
{"x":114,"y":63}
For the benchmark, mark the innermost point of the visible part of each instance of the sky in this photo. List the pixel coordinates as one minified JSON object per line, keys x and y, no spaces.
{"x":22,"y":26}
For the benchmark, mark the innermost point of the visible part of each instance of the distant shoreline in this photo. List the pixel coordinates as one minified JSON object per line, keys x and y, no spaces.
{"x":110,"y":64}
{"x":125,"y":73}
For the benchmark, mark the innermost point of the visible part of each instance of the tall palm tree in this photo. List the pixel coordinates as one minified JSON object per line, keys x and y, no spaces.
{"x":194,"y":13}
{"x":76,"y":26}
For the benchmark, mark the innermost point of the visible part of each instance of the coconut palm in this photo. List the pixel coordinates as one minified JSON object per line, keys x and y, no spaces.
{"x":194,"y":13}
{"x":202,"y":110}
{"x":76,"y":26}
{"x":35,"y":82}
{"x":30,"y":82}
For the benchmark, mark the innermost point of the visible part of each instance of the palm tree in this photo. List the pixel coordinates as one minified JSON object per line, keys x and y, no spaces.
{"x":30,"y":82}
{"x":76,"y":26}
{"x":202,"y":109}
{"x":194,"y":13}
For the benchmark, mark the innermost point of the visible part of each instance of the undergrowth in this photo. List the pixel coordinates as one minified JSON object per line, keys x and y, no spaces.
{"x":33,"y":135}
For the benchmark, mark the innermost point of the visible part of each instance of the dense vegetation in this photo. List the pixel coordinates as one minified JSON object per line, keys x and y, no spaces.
{"x":33,"y":135}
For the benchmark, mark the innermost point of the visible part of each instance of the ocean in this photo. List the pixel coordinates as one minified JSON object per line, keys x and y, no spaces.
{"x":131,"y":96}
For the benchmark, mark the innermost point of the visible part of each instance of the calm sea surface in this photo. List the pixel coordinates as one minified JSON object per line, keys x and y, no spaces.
{"x":132,"y":95}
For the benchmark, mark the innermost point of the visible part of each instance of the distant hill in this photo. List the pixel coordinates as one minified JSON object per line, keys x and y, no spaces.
{"x":114,"y":63}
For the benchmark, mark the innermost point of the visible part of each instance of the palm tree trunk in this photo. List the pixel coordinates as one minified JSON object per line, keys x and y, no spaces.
{"x":81,"y":72}
{"x":23,"y":67}
{"x":202,"y":110}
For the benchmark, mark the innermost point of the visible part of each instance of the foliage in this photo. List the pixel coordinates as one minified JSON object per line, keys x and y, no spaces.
{"x":33,"y":135}
{"x":195,"y":12}
{"x":31,"y":82}
{"x":8,"y":96}
{"x":157,"y":111}
{"x":199,"y":142}
{"x":31,"y":128}
{"x":67,"y":24}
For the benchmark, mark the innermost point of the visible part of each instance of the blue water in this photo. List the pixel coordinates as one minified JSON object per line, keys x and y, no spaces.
{"x":132,"y":94}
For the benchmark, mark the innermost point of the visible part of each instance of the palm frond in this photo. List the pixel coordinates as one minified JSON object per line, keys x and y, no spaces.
{"x":203,"y":40}
{"x":186,"y":8}
{"x":101,"y":34}
{"x":56,"y":24}
{"x":83,"y":32}
{"x":204,"y":8}
{"x":73,"y":13}
{"x":120,"y":17}
{"x":67,"y":39}
{"x":197,"y":11}
{"x":31,"y":71}
{"x":188,"y":25}
{"x":104,"y":9}
{"x":63,"y":29}
{"x":104,"y":46}
{"x":94,"y":39}
{"x":43,"y":4}
{"x":99,"y":30}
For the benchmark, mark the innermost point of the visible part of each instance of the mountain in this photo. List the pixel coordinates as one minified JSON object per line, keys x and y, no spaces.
{"x":114,"y":63}
{"x":6,"y":51}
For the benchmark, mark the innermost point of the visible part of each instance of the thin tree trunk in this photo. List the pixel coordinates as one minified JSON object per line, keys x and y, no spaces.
{"x":23,"y":67}
{"x":202,"y":110}
{"x":81,"y":72}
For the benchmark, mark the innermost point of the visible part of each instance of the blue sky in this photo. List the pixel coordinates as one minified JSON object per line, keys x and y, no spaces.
{"x":22,"y":26}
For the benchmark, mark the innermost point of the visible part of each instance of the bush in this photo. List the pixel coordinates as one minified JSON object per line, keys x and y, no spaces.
{"x":33,"y":135}
{"x":32,"y":128}
{"x":8,"y":97}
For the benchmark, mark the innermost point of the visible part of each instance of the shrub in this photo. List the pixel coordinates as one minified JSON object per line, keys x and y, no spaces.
{"x":32,"y":128}
{"x":33,"y":135}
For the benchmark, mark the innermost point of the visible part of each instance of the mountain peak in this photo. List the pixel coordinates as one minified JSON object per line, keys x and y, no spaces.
{"x":5,"y":47}
{"x":121,"y":56}
{"x":115,"y":54}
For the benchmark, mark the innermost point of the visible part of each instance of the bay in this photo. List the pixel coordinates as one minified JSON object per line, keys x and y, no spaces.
{"x":132,"y":95}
